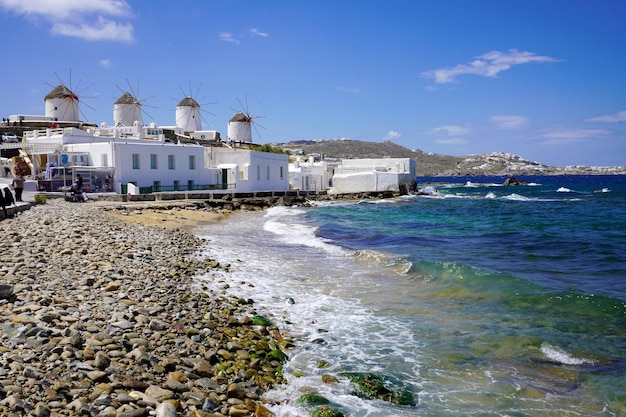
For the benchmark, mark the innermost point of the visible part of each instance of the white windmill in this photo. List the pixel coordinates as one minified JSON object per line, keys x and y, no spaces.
{"x":189,"y":112}
{"x":62,"y":103}
{"x":128,"y":109}
{"x":240,"y":126}
{"x":188,"y":117}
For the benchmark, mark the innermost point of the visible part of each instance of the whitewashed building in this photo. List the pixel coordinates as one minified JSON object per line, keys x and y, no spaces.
{"x":309,"y":175}
{"x":374,"y":175}
{"x":109,"y":159}
{"x":249,"y":171}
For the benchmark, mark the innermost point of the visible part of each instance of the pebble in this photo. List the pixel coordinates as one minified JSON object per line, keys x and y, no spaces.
{"x":102,"y":317}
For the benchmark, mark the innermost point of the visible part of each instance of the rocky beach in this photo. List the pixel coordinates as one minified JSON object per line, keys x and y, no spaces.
{"x":100,"y":315}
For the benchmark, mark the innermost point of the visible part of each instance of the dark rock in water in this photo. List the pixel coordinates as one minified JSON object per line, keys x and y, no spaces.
{"x":513,"y":181}
{"x":376,"y":386}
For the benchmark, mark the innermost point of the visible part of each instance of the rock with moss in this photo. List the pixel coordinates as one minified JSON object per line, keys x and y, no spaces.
{"x":312,"y":399}
{"x":381,"y":387}
{"x":326,"y":411}
{"x":261,"y":321}
{"x":277,"y":354}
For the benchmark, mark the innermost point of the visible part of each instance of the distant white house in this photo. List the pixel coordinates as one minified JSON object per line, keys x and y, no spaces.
{"x":250,"y":171}
{"x":309,"y":175}
{"x":374,"y":175}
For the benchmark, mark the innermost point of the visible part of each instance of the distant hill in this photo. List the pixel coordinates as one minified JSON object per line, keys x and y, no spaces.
{"x":431,"y":164}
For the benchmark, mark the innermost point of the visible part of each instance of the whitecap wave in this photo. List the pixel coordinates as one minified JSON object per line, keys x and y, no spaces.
{"x":293,"y":233}
{"x":517,"y":197}
{"x":490,"y":196}
{"x":557,"y":354}
{"x":398,"y":264}
{"x":563,"y":190}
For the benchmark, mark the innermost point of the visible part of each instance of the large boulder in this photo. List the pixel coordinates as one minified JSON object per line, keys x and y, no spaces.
{"x":513,"y":181}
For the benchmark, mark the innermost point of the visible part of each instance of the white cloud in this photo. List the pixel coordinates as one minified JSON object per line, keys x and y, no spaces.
{"x":509,"y":122}
{"x":486,"y":65}
{"x":102,"y":30}
{"x":349,"y":90}
{"x":611,"y":118}
{"x":392,"y":135}
{"x":76,"y":17}
{"x":105,"y":63}
{"x":559,"y":135}
{"x":256,"y":32}
{"x":449,"y":130}
{"x":231,"y":37}
{"x":450,"y":141}
{"x":228,"y":37}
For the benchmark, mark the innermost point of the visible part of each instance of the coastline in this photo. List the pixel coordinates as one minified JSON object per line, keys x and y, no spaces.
{"x":100,"y":315}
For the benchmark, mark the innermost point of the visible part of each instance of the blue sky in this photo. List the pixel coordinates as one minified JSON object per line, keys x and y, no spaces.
{"x":545,"y":80}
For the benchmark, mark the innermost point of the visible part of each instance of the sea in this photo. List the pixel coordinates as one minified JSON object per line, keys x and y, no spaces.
{"x":478,"y":299}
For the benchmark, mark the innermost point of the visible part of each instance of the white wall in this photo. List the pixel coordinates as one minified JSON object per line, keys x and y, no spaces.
{"x":146,"y":175}
{"x":255,"y":171}
{"x":306,"y":176}
{"x":373,"y":175}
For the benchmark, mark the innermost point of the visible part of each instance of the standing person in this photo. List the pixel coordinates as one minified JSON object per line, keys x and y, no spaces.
{"x":79,"y":182}
{"x":8,"y":197}
{"x":4,"y":206}
{"x":18,"y":186}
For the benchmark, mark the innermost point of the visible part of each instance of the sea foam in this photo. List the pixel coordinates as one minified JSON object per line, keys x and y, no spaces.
{"x":557,"y":354}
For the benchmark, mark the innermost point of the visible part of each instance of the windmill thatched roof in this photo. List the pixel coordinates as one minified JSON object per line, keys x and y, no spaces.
{"x":61,"y":91}
{"x":240,"y":117}
{"x":188,"y":102}
{"x":127,"y":98}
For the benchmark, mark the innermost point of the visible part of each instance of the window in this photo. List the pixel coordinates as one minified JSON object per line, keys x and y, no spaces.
{"x":104,"y":159}
{"x":190,"y":185}
{"x":156,"y":186}
{"x":153,"y":161}
{"x":267,"y":172}
{"x":192,"y":162}
{"x":258,"y":172}
{"x":176,"y":185}
{"x":281,"y":173}
{"x":135,"y":161}
{"x":170,"y":162}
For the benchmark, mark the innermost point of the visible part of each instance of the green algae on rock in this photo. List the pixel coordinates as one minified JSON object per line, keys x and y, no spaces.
{"x":372,"y":385}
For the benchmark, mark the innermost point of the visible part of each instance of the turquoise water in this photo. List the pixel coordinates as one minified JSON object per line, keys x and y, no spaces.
{"x":481,"y":299}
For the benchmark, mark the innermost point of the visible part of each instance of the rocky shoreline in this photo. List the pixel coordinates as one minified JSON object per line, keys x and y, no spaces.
{"x":102,"y":317}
